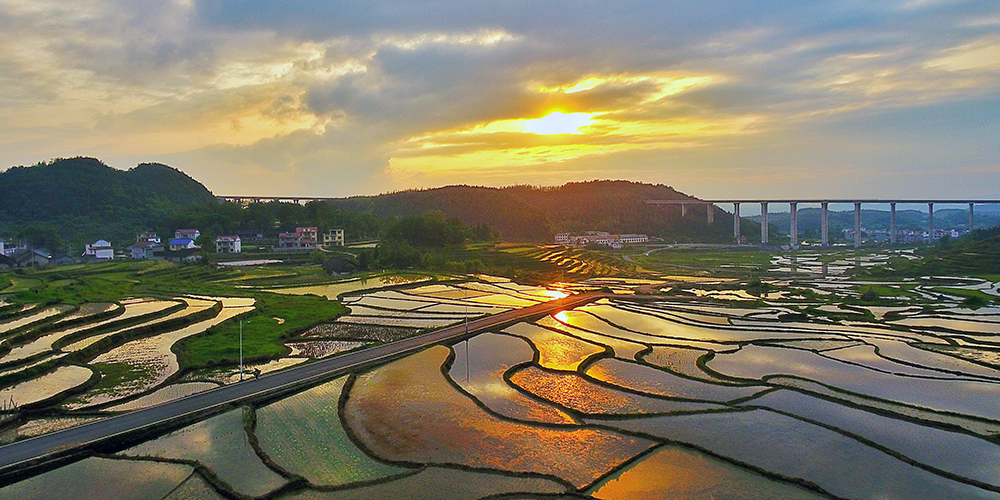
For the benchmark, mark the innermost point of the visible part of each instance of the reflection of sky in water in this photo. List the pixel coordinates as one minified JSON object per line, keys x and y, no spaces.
{"x":755,"y":362}
{"x":959,"y":454}
{"x":622,"y":348}
{"x":573,"y":391}
{"x":682,"y":474}
{"x":99,"y":479}
{"x":650,"y":380}
{"x":557,"y":351}
{"x":220,"y":444}
{"x":304,"y":435}
{"x":796,"y":449}
{"x":406,"y":410}
{"x":48,"y":385}
{"x":481,"y":374}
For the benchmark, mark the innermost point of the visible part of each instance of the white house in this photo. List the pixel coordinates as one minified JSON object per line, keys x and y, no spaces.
{"x":304,"y":238}
{"x":100,"y":249}
{"x":228,"y":244}
{"x":181,"y":244}
{"x":334,"y":237}
{"x":148,"y":236}
{"x":190,"y":234}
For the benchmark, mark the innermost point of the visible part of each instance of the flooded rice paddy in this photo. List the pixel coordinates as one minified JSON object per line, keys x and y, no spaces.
{"x":619,"y":399}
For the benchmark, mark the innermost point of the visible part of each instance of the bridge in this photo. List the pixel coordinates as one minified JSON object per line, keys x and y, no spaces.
{"x":25,"y":458}
{"x":710,"y":208}
{"x":824,"y":204}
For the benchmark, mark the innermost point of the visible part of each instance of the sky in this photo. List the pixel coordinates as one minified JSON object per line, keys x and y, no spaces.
{"x":719,"y":99}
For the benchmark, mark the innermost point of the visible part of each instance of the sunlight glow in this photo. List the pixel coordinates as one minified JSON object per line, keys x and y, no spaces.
{"x":558,"y":123}
{"x":667,"y":84}
{"x":554,"y":294}
{"x":554,"y":123}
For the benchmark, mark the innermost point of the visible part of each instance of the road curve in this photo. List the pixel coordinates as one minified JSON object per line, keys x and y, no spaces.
{"x":28,"y":457}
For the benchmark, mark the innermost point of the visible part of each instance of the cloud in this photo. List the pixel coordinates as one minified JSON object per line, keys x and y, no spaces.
{"x":342,"y":97}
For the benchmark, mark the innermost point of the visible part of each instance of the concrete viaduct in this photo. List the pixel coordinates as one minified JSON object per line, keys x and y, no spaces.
{"x":710,"y":210}
{"x":824,"y":206}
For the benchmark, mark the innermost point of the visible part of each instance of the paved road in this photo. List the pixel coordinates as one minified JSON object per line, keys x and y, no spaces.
{"x":23,"y":458}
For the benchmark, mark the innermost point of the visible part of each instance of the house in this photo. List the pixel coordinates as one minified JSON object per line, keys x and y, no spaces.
{"x":147,"y":236}
{"x":100,"y":249}
{"x":61,"y":259}
{"x":616,"y":241}
{"x":10,"y":246}
{"x":145,"y":249}
{"x":184,"y":255}
{"x":334,"y":237}
{"x":250,"y":234}
{"x":633,"y":238}
{"x":304,"y":238}
{"x":181,"y":244}
{"x":36,"y":257}
{"x":339,"y":265}
{"x":189,"y":234}
{"x":227,"y":244}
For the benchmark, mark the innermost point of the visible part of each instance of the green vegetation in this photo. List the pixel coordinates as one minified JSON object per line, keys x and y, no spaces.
{"x":113,"y":375}
{"x":38,"y":205}
{"x":975,"y":254}
{"x":275,"y":319}
{"x":68,"y":202}
{"x":714,"y":261}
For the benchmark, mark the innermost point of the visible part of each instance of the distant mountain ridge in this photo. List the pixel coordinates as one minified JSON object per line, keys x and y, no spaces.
{"x":65,"y":203}
{"x":528,"y":213}
{"x":79,"y":199}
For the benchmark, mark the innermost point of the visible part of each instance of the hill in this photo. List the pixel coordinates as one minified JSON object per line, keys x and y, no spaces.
{"x":68,"y":202}
{"x":977,"y":253}
{"x":527,"y":213}
{"x":64,"y":203}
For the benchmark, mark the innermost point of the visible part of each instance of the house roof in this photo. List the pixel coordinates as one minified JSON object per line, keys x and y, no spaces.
{"x":142,"y":244}
{"x":228,"y":238}
{"x":180,"y":241}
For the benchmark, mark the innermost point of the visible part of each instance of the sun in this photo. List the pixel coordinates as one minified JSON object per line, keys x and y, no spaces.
{"x":557,"y":122}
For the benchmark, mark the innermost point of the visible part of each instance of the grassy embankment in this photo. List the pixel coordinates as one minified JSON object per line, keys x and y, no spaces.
{"x":275,"y":319}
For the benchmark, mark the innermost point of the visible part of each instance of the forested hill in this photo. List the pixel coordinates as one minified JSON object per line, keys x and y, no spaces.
{"x":70,"y":201}
{"x":526,"y":213}
{"x":66,"y":203}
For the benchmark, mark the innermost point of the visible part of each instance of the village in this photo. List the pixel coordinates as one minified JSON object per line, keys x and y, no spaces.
{"x":183,"y":247}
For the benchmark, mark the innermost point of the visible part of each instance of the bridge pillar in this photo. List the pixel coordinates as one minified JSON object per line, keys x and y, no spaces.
{"x":736,"y":222}
{"x":930,"y":222}
{"x":971,"y":220}
{"x":794,"y":232}
{"x":763,"y":222}
{"x":892,"y":223}
{"x":824,"y":224}
{"x":684,"y":210}
{"x":857,"y":224}
{"x":710,"y":210}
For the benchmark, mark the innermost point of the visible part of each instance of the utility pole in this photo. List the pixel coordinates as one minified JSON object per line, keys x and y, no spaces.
{"x":241,"y":350}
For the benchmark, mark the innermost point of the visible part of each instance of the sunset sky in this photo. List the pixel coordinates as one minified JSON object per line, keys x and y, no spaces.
{"x":334,"y":98}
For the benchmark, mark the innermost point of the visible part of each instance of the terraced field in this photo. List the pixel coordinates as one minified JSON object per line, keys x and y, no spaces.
{"x":808,"y":389}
